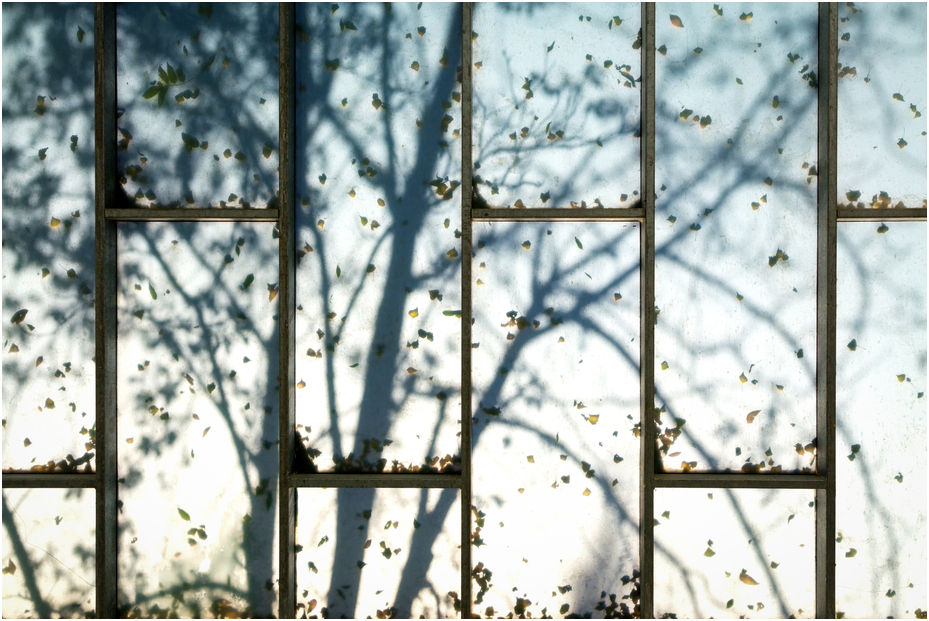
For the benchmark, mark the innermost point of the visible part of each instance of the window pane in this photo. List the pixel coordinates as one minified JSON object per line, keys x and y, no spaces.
{"x":48,"y":237}
{"x":882,"y":105}
{"x":378,"y":278}
{"x":197,"y":93}
{"x":198,"y":418}
{"x":556,"y":378}
{"x":736,"y":235}
{"x":48,"y":553}
{"x":556,"y":104}
{"x":365,"y":552}
{"x":881,"y":419}
{"x":734,"y":553}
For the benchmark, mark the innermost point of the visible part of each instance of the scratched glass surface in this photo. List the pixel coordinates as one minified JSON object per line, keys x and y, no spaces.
{"x":556,"y":104}
{"x":882,"y":105}
{"x":48,"y":553}
{"x":556,"y":407}
{"x":197,"y":95}
{"x":880,"y":547}
{"x":48,"y":237}
{"x":198,"y":418}
{"x":726,"y":553}
{"x":378,"y":227}
{"x":735,"y":267}
{"x":385,"y":553}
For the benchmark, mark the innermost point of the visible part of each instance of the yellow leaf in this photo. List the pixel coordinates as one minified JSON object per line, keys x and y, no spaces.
{"x":742,"y":378}
{"x":751,"y":416}
{"x":746,"y":579}
{"x":586,"y":492}
{"x":676,"y":21}
{"x":414,"y":313}
{"x":593,"y":418}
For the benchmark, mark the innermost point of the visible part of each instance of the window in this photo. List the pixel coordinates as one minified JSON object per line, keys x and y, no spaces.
{"x":260,"y":264}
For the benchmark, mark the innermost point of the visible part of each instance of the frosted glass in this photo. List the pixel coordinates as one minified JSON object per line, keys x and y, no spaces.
{"x":556,"y":407}
{"x":48,"y":553}
{"x":48,"y":237}
{"x":197,"y":418}
{"x":734,"y":553}
{"x":386,"y":553}
{"x":379,"y":273}
{"x":735,"y":255}
{"x":881,"y":420}
{"x":556,"y":104}
{"x":197,"y":90}
{"x":882,"y":105}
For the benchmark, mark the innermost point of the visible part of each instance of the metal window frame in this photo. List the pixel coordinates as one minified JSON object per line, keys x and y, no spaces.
{"x":104,"y":480}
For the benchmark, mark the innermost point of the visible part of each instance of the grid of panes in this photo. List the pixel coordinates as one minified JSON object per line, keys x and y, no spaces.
{"x":374,"y":220}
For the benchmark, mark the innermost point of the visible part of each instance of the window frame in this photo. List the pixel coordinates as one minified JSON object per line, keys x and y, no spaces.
{"x":104,"y":479}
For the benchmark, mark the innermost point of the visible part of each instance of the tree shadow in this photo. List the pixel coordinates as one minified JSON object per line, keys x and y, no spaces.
{"x":378,"y":295}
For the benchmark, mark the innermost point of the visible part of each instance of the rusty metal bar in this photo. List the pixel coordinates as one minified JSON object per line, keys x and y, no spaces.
{"x":881,"y":215}
{"x":467,"y":196}
{"x":632,"y":214}
{"x":197,"y":215}
{"x":379,"y":481}
{"x":105,"y":193}
{"x":826,"y":309}
{"x":25,"y":480}
{"x":647,"y":435}
{"x":286,"y":222}
{"x":737,"y":480}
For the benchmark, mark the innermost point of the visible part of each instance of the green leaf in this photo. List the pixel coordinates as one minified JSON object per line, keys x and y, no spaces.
{"x":19,"y":316}
{"x":151,"y":292}
{"x":172,"y":75}
{"x":579,"y":244}
{"x":248,"y":281}
{"x":189,"y":141}
{"x":184,"y":515}
{"x":151,"y":92}
{"x":80,"y":34}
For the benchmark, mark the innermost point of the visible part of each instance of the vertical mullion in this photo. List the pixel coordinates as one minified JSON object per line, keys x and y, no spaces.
{"x":647,"y":318}
{"x":826,"y":310}
{"x":105,"y":181}
{"x":287,"y":588}
{"x":466,"y":314}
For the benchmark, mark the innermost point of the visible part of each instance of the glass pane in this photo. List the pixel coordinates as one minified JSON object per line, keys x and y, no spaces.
{"x":556,"y":104}
{"x":736,"y":236}
{"x":379,"y":275}
{"x":882,"y":105}
{"x":735,"y":553}
{"x":198,"y":104}
{"x":48,"y":237}
{"x":881,"y":420}
{"x":386,"y":553}
{"x":556,"y":399}
{"x":48,"y":553}
{"x":198,"y":418}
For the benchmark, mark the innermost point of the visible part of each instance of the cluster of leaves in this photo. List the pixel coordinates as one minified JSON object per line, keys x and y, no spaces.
{"x":168,"y":77}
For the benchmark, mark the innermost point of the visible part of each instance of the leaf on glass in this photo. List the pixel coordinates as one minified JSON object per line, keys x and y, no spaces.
{"x":751,"y":416}
{"x":184,"y":515}
{"x":746,"y":579}
{"x":676,"y":21}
